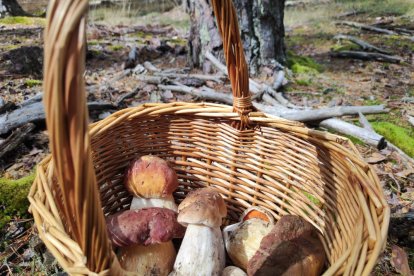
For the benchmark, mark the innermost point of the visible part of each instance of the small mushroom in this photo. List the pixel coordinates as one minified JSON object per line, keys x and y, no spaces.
{"x":202,"y":249}
{"x":291,"y":248}
{"x":243,"y":238}
{"x":233,"y":271}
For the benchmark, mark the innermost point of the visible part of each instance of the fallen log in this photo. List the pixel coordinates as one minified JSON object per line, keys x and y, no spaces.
{"x":369,"y":137}
{"x":34,"y":113}
{"x":364,"y":45}
{"x":366,"y":27}
{"x":367,"y":56}
{"x":17,"y":137}
{"x":324,"y":113}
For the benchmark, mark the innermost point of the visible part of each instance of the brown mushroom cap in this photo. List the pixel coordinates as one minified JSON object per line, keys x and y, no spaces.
{"x":144,"y":226}
{"x":150,"y":177}
{"x":202,"y":206}
{"x":291,"y":248}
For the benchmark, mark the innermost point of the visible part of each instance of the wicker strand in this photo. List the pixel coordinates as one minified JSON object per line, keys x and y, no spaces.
{"x":67,"y":121}
{"x":236,"y":63}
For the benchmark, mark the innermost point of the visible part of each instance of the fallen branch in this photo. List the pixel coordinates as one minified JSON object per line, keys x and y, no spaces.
{"x":35,"y":112}
{"x":254,"y":87}
{"x":350,"y":13}
{"x":215,"y":78}
{"x":366,"y":27}
{"x":364,"y":45}
{"x":367,"y":56}
{"x":324,"y":113}
{"x":411,"y":119}
{"x":364,"y":122}
{"x":203,"y":93}
{"x":369,"y":137}
{"x":17,"y":137}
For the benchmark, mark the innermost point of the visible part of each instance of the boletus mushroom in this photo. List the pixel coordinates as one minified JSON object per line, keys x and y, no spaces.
{"x":291,"y":248}
{"x":152,"y":181}
{"x":233,"y":271}
{"x":242,"y":239}
{"x":202,"y":249}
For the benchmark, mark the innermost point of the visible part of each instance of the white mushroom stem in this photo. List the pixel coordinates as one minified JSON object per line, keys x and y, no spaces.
{"x":166,"y":202}
{"x":201,"y":252}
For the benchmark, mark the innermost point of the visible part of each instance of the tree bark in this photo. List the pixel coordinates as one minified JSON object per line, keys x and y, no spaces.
{"x":10,"y":8}
{"x":261,"y":27}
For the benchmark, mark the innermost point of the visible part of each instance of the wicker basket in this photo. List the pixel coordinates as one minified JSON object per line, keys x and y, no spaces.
{"x":251,"y":158}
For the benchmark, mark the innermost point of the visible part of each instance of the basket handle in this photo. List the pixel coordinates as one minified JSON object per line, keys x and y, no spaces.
{"x":236,"y":62}
{"x":77,"y":193}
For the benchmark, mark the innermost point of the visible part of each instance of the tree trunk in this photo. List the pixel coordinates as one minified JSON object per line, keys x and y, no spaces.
{"x":10,"y":7}
{"x":261,"y":27}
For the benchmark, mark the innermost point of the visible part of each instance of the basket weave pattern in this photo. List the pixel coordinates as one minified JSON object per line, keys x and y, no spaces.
{"x":274,"y":163}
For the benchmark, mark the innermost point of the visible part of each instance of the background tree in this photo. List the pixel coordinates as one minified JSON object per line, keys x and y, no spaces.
{"x":261,"y":26}
{"x":10,"y":7}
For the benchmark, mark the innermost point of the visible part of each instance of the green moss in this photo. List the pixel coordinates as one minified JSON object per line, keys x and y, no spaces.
{"x":93,"y":42}
{"x":301,"y":64}
{"x":23,"y":20}
{"x":178,"y":41}
{"x":116,"y":47}
{"x":345,"y":47}
{"x":354,"y":140}
{"x":13,"y":198}
{"x":32,"y":83}
{"x":372,"y":102}
{"x":304,"y":82}
{"x":143,"y":35}
{"x":399,"y":136}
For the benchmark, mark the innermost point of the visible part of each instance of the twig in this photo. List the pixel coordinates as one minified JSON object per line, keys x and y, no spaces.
{"x":366,"y":27}
{"x":150,"y":67}
{"x":364,"y":45}
{"x":411,"y":119}
{"x":367,"y":56}
{"x":364,"y":122}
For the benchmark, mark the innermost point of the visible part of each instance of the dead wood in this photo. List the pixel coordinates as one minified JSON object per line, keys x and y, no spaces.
{"x":367,"y":56}
{"x":14,"y":140}
{"x":34,"y":113}
{"x":5,"y":106}
{"x":215,"y":78}
{"x":364,"y":45}
{"x":324,"y":113}
{"x":366,"y":27}
{"x":369,"y":137}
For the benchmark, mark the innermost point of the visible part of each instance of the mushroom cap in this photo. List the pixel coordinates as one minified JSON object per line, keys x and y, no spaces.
{"x":150,"y":177}
{"x":144,"y":226}
{"x":259,"y":213}
{"x":202,"y":206}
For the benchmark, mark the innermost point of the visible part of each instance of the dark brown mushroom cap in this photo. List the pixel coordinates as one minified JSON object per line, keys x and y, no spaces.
{"x":144,"y":226}
{"x":202,"y":206}
{"x":291,"y":248}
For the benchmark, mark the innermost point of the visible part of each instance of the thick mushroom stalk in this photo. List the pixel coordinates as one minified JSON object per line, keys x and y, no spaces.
{"x":152,"y":181}
{"x":202,"y":250}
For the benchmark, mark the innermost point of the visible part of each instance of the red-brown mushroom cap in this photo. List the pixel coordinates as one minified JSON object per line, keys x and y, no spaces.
{"x":203,"y":206}
{"x":144,"y":226}
{"x":151,"y":177}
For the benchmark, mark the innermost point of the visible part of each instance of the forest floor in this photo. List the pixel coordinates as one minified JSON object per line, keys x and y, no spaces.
{"x":316,"y":79}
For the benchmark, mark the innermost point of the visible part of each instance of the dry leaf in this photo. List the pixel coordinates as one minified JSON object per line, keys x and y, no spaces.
{"x":405,"y":173}
{"x":375,"y":158}
{"x":399,"y":261}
